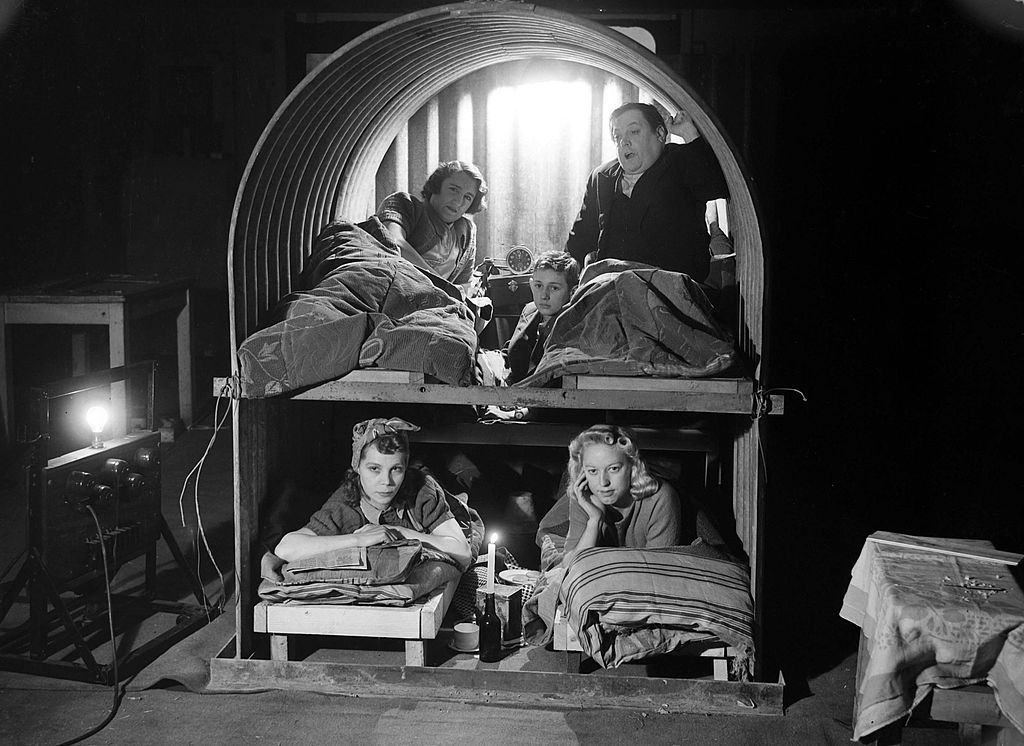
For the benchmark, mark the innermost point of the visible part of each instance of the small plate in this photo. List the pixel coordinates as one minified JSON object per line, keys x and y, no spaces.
{"x":519,"y":577}
{"x":453,"y":646}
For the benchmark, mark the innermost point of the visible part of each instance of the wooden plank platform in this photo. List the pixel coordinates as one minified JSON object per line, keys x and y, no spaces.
{"x":379,"y":375}
{"x":679,"y":385}
{"x":619,"y":398}
{"x":504,"y":687}
{"x":558,"y":435}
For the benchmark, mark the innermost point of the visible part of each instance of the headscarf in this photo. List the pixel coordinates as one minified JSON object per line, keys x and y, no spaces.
{"x":367,"y":431}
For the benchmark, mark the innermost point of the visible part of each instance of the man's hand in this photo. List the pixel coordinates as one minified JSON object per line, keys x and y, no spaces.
{"x":682,"y":126}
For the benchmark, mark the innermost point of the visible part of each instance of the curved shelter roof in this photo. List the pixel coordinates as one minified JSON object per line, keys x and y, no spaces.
{"x":318,"y":156}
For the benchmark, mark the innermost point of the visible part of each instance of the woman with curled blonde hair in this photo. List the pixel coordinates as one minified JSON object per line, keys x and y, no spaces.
{"x":613,"y":499}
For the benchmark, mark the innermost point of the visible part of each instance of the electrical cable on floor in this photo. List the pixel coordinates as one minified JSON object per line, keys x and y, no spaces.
{"x":197,"y":471}
{"x":115,"y":686}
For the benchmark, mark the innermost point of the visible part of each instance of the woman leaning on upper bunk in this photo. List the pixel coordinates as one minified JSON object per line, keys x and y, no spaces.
{"x":433,"y":231}
{"x":613,"y":500}
{"x":380,"y":499}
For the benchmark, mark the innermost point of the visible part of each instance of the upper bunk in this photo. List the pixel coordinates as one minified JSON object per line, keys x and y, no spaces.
{"x":320,"y":156}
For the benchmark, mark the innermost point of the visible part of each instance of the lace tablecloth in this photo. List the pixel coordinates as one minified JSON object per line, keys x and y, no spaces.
{"x":933,"y":620}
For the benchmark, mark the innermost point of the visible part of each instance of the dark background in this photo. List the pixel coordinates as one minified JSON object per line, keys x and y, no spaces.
{"x":884,"y":144}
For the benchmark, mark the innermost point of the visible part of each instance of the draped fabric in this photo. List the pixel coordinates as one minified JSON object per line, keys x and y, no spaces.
{"x":630,"y":319}
{"x":930,"y":620}
{"x":365,"y":306}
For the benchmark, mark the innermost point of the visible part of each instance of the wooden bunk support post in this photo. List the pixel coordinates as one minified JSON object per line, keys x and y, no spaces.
{"x":249,"y":419}
{"x":748,"y":507}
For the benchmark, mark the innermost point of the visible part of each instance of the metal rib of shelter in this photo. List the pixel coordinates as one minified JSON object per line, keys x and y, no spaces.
{"x":318,"y":156}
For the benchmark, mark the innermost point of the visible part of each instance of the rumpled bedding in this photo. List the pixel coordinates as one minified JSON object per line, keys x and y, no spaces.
{"x":626,"y":604}
{"x":398,"y":574}
{"x":631,"y":319}
{"x":362,"y":306}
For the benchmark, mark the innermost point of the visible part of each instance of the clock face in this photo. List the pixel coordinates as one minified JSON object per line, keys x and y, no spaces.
{"x":519,"y":259}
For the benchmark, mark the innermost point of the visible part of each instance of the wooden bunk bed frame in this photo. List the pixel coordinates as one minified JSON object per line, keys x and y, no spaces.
{"x":316,"y":161}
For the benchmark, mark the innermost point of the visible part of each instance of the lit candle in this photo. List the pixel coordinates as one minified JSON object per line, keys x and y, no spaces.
{"x":489,"y":586}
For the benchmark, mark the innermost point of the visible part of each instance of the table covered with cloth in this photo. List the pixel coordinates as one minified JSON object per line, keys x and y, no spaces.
{"x":930,"y":620}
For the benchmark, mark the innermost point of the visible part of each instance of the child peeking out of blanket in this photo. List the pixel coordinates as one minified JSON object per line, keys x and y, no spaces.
{"x":382,"y":499}
{"x":555,"y":275}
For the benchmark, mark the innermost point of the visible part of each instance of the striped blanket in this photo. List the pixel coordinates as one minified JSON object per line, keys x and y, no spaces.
{"x":628,"y":604}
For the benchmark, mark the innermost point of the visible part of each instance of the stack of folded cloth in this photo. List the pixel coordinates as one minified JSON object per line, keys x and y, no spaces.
{"x":393,"y":574}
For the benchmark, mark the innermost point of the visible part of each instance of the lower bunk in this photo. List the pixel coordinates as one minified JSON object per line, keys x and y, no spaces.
{"x":672,"y":650}
{"x":409,"y":652}
{"x":329,"y":651}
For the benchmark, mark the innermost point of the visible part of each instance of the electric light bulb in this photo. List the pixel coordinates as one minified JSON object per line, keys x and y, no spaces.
{"x":97,"y":418}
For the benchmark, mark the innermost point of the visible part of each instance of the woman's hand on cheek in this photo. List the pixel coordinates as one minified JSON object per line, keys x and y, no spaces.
{"x":584,"y":498}
{"x":578,"y":487}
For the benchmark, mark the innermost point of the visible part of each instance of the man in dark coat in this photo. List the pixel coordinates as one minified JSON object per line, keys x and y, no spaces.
{"x":657,"y":202}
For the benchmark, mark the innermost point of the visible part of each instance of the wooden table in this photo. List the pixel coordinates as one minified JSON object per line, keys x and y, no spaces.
{"x":113,"y":301}
{"x":937,"y":616}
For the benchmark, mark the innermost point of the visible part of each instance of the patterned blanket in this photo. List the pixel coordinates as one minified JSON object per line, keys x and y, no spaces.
{"x":362,"y":306}
{"x":933,"y":620}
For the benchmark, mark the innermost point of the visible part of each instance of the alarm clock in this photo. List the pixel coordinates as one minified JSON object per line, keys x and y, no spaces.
{"x":519,"y":259}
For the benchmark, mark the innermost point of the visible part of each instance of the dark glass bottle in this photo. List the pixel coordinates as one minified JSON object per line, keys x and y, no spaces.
{"x":490,"y":632}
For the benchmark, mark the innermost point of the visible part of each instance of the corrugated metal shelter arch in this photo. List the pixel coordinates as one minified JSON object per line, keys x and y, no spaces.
{"x":318,"y":156}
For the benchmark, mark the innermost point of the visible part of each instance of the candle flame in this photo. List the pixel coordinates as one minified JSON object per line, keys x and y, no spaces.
{"x":494,"y":538}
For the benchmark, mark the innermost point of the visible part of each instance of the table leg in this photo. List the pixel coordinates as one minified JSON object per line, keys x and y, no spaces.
{"x":185,"y":370}
{"x":118,"y":336}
